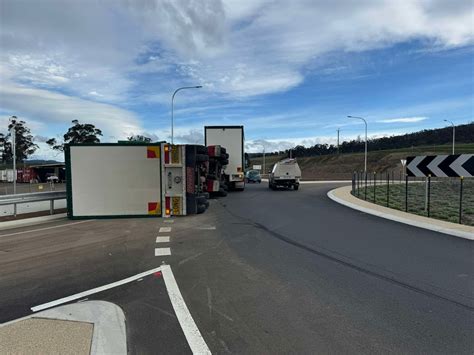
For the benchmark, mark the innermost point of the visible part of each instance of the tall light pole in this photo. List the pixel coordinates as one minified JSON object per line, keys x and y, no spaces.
{"x":365,"y":161}
{"x":454,"y":132}
{"x":263,"y":158}
{"x":172,"y":106}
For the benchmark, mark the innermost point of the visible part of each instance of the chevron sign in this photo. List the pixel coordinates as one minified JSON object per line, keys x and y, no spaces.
{"x":441,"y":165}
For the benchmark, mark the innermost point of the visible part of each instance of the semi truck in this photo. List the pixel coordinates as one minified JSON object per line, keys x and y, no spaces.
{"x":232,"y":139}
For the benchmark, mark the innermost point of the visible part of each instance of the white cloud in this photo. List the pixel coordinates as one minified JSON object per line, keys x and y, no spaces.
{"x":403,"y":120}
{"x":53,"y":108}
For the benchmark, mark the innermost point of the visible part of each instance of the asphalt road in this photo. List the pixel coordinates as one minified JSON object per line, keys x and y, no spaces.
{"x":261,"y":272}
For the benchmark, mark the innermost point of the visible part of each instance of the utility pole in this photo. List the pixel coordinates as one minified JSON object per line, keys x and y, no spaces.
{"x":13,"y":134}
{"x":338,"y":140}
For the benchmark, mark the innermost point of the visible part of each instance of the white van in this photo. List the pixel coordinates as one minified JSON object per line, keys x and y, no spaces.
{"x":285,"y":173}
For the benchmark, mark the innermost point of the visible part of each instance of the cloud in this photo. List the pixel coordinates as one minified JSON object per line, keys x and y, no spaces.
{"x":403,"y":120}
{"x":40,"y":139}
{"x":53,"y":108}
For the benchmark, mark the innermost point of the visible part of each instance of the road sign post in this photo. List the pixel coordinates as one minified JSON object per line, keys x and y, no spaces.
{"x":460,"y":201}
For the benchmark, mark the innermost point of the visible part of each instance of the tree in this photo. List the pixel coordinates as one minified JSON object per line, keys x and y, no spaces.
{"x":24,"y":145}
{"x":139,"y":138}
{"x":78,"y":133}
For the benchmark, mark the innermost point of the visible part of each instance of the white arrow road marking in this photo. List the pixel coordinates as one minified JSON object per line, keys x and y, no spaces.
{"x":163,"y":239}
{"x":433,"y":166}
{"x":457,"y":165}
{"x":162,"y":251}
{"x":190,"y":330}
{"x":164,"y":230}
{"x":94,"y":290}
{"x":413,"y":165}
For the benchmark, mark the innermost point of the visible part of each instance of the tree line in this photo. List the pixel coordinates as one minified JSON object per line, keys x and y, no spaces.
{"x":427,"y":137}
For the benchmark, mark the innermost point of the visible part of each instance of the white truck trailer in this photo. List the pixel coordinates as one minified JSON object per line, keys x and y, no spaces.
{"x":135,"y":180}
{"x":232,"y":138}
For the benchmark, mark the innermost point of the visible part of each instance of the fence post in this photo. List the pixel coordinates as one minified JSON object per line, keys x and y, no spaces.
{"x":51,"y":207}
{"x":365,"y":193}
{"x":353,"y":184}
{"x":429,"y":193}
{"x":375,"y":183}
{"x":388,"y":187}
{"x":460,"y":201}
{"x":406,"y":193}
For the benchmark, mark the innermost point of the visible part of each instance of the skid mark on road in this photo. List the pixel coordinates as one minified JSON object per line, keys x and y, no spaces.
{"x":325,"y":253}
{"x":46,"y":228}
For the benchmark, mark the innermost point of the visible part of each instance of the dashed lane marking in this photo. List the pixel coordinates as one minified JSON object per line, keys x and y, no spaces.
{"x":164,"y":230}
{"x":163,"y":239}
{"x":162,"y":251}
{"x":94,"y":290}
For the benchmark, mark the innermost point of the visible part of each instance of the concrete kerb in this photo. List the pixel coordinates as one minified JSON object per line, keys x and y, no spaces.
{"x":109,"y":333}
{"x":343,"y":196}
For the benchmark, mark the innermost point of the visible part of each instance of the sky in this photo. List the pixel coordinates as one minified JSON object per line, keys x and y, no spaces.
{"x":289,"y":71}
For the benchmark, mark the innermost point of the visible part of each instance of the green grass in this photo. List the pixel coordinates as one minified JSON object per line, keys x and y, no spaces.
{"x":444,"y":198}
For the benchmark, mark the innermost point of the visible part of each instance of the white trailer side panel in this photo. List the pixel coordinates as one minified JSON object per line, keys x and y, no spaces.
{"x":231,"y":138}
{"x":115,"y":180}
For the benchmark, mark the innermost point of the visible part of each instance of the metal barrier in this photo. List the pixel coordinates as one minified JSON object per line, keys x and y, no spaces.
{"x":32,"y":197}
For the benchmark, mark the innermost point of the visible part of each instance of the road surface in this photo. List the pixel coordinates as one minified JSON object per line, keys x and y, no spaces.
{"x":261,"y":272}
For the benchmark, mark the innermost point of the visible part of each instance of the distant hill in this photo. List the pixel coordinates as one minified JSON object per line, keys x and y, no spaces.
{"x":427,"y":137}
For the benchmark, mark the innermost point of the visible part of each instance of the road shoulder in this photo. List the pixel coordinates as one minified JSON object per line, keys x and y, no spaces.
{"x":343,"y":196}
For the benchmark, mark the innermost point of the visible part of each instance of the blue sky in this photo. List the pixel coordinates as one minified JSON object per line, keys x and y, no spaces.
{"x":290,"y":72}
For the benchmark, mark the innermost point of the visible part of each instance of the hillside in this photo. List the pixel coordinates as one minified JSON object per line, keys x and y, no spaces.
{"x":333,"y":166}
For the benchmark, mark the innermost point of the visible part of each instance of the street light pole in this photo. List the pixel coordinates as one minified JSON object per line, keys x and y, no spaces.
{"x":172,"y":106}
{"x":263,"y":159}
{"x":454,"y":132}
{"x":365,"y":161}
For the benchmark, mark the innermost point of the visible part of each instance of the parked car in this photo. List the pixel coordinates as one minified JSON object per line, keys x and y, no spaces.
{"x":253,"y":176}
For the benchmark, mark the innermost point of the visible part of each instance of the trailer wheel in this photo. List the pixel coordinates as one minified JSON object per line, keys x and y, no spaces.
{"x":201,"y":158}
{"x":296,"y":187}
{"x":201,"y":149}
{"x":201,"y":200}
{"x":201,"y":209}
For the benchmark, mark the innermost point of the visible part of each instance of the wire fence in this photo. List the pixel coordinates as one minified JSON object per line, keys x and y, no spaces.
{"x":449,"y":199}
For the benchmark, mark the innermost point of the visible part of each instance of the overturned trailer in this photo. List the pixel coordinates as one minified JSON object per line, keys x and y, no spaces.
{"x":135,"y":180}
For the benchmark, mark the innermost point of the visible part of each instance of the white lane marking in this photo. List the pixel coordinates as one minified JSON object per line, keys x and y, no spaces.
{"x":163,"y":239}
{"x":164,"y":230}
{"x":46,"y":228}
{"x":94,"y":290}
{"x":168,"y":221}
{"x":211,"y":228}
{"x":162,"y":251}
{"x":190,"y":330}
